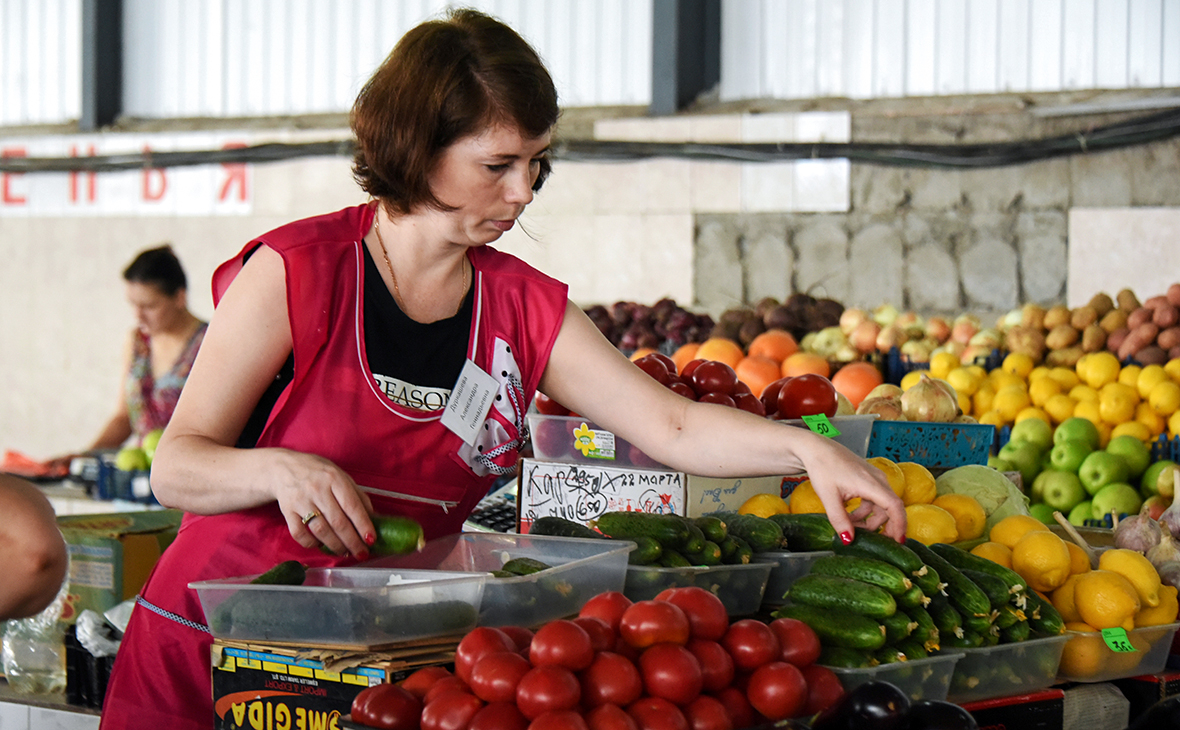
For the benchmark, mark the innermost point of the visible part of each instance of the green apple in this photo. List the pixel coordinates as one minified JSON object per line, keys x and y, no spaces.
{"x":1025,"y":457}
{"x":1036,"y":492}
{"x":131,"y":458}
{"x":1035,"y":431}
{"x":1076,"y":428}
{"x":1068,"y":454}
{"x":999,"y":464}
{"x":1080,"y":513}
{"x":150,"y":440}
{"x":1063,"y":490}
{"x":1100,"y":468}
{"x":1118,"y":497}
{"x":1136,"y":453}
{"x":1159,"y":478}
{"x":1042,"y":512}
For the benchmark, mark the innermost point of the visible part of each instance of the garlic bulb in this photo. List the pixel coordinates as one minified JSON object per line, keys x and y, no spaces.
{"x":1139,"y":533}
{"x":1166,"y":551}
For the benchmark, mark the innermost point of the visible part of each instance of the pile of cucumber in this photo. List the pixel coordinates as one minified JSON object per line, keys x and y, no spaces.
{"x":877,"y":602}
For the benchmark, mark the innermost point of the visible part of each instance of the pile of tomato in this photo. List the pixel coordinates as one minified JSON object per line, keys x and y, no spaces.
{"x":672,"y":663}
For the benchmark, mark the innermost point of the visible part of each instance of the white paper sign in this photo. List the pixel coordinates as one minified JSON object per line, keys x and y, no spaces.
{"x":470,"y":401}
{"x":581,"y":492}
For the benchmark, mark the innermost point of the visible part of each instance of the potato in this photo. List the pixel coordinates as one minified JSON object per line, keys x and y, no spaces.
{"x":1173,"y":295}
{"x":1026,"y":339}
{"x":1061,"y":337}
{"x":1155,"y":302}
{"x":1093,"y":338}
{"x":1147,"y":332}
{"x":1101,"y":303}
{"x":1169,"y":338}
{"x":1151,"y":355}
{"x":1058,"y":314}
{"x":1033,"y":316}
{"x":1140,"y":337}
{"x":1064,"y":358}
{"x":1113,"y":320}
{"x":1114,"y":340}
{"x":1127,"y":300}
{"x":1083,"y":317}
{"x":1138,"y":317}
{"x":1165,"y":316}
{"x":1174,"y":353}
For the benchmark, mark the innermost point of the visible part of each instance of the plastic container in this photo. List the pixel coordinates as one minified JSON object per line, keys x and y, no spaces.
{"x":920,"y":679}
{"x":1087,"y":658}
{"x":582,"y":568}
{"x":933,"y":445}
{"x":854,"y":431}
{"x":344,"y":606}
{"x":1006,"y":669}
{"x":740,"y":587}
{"x":788,"y":567}
{"x":580,"y":441}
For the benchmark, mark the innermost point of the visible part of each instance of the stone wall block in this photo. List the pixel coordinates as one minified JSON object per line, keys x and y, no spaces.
{"x":877,"y":189}
{"x":1044,"y":184}
{"x":821,"y":267}
{"x":935,"y":190}
{"x":876,"y":267}
{"x":993,"y":189}
{"x":1100,"y":180}
{"x":1043,"y":268}
{"x":988,"y":271}
{"x":1155,"y":169}
{"x":717,"y":266}
{"x":767,"y":264}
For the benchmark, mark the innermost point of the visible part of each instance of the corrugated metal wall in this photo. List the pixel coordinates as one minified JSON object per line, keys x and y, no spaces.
{"x":40,"y":61}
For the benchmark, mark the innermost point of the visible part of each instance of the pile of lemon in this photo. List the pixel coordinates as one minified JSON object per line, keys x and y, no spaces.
{"x":1124,"y":591}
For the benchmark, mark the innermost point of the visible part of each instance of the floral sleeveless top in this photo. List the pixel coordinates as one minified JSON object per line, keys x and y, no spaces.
{"x":150,"y":402}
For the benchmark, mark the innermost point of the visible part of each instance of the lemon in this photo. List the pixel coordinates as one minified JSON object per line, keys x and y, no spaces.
{"x":1117,"y":402}
{"x":995,"y":552}
{"x":1040,"y":371}
{"x":1010,"y":400}
{"x":1032,"y":412}
{"x":1132,"y":428}
{"x":1104,"y":434}
{"x":1135,"y":567}
{"x":804,"y":500}
{"x":1101,"y":368}
{"x":909,"y":379}
{"x":1066,"y":376}
{"x":1009,"y":530}
{"x":991,"y":418}
{"x":919,"y":483}
{"x":1174,"y":424}
{"x":1042,"y":389}
{"x":1082,"y":392}
{"x":1083,"y":655}
{"x":764,"y":505}
{"x":1172,"y":368}
{"x":929,"y":524}
{"x":977,"y":371}
{"x":1082,"y":366}
{"x":1060,"y":407}
{"x":1000,"y":378}
{"x":981,"y":402}
{"x":1164,"y":398}
{"x":892,"y":472}
{"x":1149,"y":377}
{"x":1018,"y":363}
{"x":970,"y":517}
{"x":1129,"y":375}
{"x":1088,"y":410}
{"x":1042,"y":559}
{"x":942,"y":363}
{"x":1106,"y":599}
{"x":1063,"y":599}
{"x":1152,"y":421}
{"x":1079,"y":561}
{"x":1164,"y":613}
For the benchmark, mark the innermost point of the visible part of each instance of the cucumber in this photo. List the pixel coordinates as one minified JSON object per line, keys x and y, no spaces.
{"x":946,"y":618}
{"x":1008,"y":615}
{"x":524,"y":566}
{"x":647,"y":551}
{"x":396,"y":535}
{"x":805,"y":533}
{"x":898,"y":626}
{"x":913,"y":598}
{"x":1043,"y":618}
{"x":554,"y":526}
{"x":968,"y":597}
{"x":839,"y":656}
{"x":713,"y":527}
{"x":994,"y":587}
{"x":962,"y":559}
{"x":762,"y":534}
{"x":912,"y":649}
{"x":992,"y":637}
{"x":889,"y":655}
{"x":286,"y":573}
{"x":867,"y":570}
{"x":673,"y":559}
{"x":979,"y":624}
{"x":926,"y":632}
{"x":671,"y":530}
{"x":696,"y":539}
{"x":826,"y":591}
{"x":710,"y":554}
{"x":743,"y":553}
{"x":968,"y":640}
{"x":887,"y":549}
{"x":837,"y":628}
{"x":1018,"y":631}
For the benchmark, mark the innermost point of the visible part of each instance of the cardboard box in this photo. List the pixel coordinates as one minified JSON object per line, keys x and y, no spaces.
{"x":582,"y":492}
{"x":259,"y":686}
{"x":112,"y":554}
{"x":1044,"y":710}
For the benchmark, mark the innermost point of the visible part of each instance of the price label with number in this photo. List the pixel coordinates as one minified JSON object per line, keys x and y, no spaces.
{"x":1117,"y":640}
{"x":820,"y":424}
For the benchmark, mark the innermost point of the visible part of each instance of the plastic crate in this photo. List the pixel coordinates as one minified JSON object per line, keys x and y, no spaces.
{"x":1153,"y":645}
{"x":578,"y":440}
{"x":788,"y":568}
{"x":129,"y":486}
{"x":933,"y":445}
{"x":854,"y":431}
{"x":344,"y":606}
{"x":740,"y":587}
{"x":1006,"y":669}
{"x":582,"y":568}
{"x":920,"y":679}
{"x":1165,"y":448}
{"x":897,"y":366}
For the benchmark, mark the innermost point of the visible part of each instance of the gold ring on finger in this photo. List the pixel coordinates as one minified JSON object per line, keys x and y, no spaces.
{"x":310,"y":516}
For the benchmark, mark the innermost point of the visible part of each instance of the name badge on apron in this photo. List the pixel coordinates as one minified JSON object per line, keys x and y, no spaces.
{"x":470,"y":401}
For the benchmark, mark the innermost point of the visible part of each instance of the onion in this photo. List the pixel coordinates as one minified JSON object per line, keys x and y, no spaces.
{"x":1139,"y":533}
{"x":1170,"y":519}
{"x":864,"y":336}
{"x":964,"y":328}
{"x":891,"y":336}
{"x":887,"y":409}
{"x":1166,"y":551}
{"x":927,"y":400}
{"x":851,"y":318}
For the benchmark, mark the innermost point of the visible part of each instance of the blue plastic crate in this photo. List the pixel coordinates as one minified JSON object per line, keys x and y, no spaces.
{"x":897,"y":367}
{"x":933,"y":445}
{"x":1166,"y":448}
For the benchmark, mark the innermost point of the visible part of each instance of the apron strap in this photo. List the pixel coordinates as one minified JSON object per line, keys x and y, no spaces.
{"x":139,"y":601}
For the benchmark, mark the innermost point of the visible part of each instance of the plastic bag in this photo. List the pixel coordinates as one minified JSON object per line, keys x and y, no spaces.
{"x":33,"y":651}
{"x":95,"y":635}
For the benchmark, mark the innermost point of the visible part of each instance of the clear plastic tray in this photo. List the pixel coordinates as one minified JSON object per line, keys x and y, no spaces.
{"x":788,"y":567}
{"x":1006,"y":669}
{"x":740,"y":587}
{"x":580,"y":441}
{"x":344,"y":606}
{"x":920,"y":679}
{"x":854,"y":431}
{"x":1087,"y":658}
{"x":581,"y":569}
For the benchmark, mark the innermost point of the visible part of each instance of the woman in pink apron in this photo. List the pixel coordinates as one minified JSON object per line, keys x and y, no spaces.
{"x":337,"y":339}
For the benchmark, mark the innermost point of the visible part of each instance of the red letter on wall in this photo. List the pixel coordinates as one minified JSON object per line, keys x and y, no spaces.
{"x":91,"y":178}
{"x":7,"y":196}
{"x":150,"y":193}
{"x":235,"y":172}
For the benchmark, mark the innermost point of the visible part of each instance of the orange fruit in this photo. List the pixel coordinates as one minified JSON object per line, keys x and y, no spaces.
{"x":775,"y":344}
{"x":721,"y":349}
{"x":856,"y":379}
{"x":640,"y":352}
{"x":757,"y":372}
{"x":802,"y":363}
{"x":685,"y":354}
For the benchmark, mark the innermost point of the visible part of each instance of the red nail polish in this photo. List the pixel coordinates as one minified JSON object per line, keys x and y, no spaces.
{"x":846,"y":538}
{"x":370,"y":539}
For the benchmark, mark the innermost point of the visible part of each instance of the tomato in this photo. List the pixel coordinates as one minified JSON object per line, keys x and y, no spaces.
{"x":657,"y":713}
{"x":707,"y":713}
{"x":495,"y":676}
{"x":750,"y":402}
{"x":387,"y":706}
{"x":608,"y":606}
{"x":737,"y":706}
{"x":751,"y":643}
{"x":669,"y":363}
{"x":690,"y":367}
{"x":798,"y":642}
{"x":499,"y":716}
{"x":610,"y":717}
{"x":546,"y":688}
{"x":559,"y":720}
{"x":769,"y":396}
{"x":807,"y":395}
{"x":422,"y":680}
{"x":479,"y":641}
{"x":548,"y":406}
{"x":654,"y":367}
{"x":561,"y":642}
{"x":611,"y":679}
{"x":654,"y":622}
{"x":622,"y":648}
{"x":602,"y":638}
{"x":707,"y":617}
{"x":721,"y":399}
{"x":823,"y":688}
{"x":671,"y":672}
{"x":683,"y":389}
{"x":716,"y":664}
{"x":450,"y":711}
{"x":713,"y":376}
{"x":520,"y":636}
{"x":446,"y":684}
{"x":777,"y":690}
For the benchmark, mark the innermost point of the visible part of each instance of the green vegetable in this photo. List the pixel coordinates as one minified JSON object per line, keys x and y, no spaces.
{"x":962,"y":559}
{"x":1043,"y":618}
{"x":926,"y":632}
{"x":671,"y":530}
{"x":839,"y":656}
{"x":826,"y":591}
{"x":1018,"y":631}
{"x":805,"y":533}
{"x":709,"y":554}
{"x":762,"y":534}
{"x":524,"y":566}
{"x":913,"y":598}
{"x":696,"y":539}
{"x":837,"y":628}
{"x":884,"y":548}
{"x":912,"y":649}
{"x":560,"y":527}
{"x":898,"y":626}
{"x":397,"y":535}
{"x":968,"y":597}
{"x":946,"y":618}
{"x":967,"y":640}
{"x":866,"y":570}
{"x":998,"y":496}
{"x":993,"y":586}
{"x":889,"y":655}
{"x":713,"y":527}
{"x":673,"y":559}
{"x":286,"y":573}
{"x":647,"y":551}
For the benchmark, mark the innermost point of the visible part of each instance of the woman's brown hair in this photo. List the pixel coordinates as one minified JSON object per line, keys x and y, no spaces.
{"x":444,"y":80}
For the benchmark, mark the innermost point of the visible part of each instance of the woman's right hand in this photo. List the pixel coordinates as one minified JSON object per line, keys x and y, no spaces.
{"x":321,"y":503}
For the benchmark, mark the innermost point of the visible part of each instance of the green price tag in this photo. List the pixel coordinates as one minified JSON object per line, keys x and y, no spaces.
{"x":820,"y":424}
{"x":1117,"y":640}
